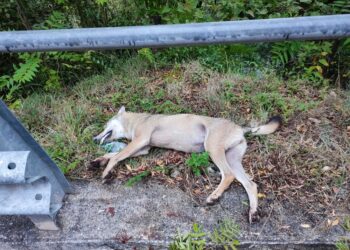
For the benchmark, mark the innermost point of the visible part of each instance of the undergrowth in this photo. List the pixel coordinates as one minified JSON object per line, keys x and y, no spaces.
{"x":224,"y":235}
{"x":307,"y":157}
{"x":198,"y":163}
{"x":65,"y":122}
{"x":319,"y":62}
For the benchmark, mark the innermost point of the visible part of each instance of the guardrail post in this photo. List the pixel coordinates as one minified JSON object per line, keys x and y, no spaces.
{"x":30,"y":182}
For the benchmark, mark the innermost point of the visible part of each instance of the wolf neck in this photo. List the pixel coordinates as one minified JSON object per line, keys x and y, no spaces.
{"x":130,"y":121}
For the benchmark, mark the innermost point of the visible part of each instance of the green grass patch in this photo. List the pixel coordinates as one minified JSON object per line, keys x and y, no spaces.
{"x":342,"y":244}
{"x":346,"y":223}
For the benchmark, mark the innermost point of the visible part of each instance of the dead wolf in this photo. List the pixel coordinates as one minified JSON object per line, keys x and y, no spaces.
{"x":221,"y":138}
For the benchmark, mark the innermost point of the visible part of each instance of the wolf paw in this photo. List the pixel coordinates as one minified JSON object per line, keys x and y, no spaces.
{"x":97,"y":163}
{"x":253,"y":216}
{"x":212,"y":199}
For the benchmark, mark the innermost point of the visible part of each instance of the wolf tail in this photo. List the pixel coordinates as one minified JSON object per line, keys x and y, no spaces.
{"x":271,"y":126}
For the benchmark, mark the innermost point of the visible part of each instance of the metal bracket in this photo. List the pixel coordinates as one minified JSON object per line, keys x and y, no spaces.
{"x":30,"y":182}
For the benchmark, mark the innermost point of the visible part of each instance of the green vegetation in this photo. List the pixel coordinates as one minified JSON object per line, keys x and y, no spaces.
{"x":342,"y":244}
{"x":193,"y":240}
{"x":224,"y":235}
{"x":346,"y":224}
{"x":198,"y":163}
{"x":24,"y":73}
{"x":137,"y":178}
{"x":64,"y":122}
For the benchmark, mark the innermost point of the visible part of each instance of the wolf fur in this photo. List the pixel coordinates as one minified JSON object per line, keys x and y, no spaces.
{"x":221,"y":138}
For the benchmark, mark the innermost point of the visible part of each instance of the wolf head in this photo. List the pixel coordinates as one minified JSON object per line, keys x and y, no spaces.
{"x":113,"y":130}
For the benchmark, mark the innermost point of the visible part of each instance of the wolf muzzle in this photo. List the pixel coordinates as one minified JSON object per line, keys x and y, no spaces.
{"x":101,"y":138}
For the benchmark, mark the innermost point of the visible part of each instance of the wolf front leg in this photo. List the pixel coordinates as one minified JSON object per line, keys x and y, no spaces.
{"x":134,"y":147}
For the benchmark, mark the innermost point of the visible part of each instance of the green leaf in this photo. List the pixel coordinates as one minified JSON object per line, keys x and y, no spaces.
{"x":101,"y":2}
{"x":26,"y":71}
{"x":323,"y":62}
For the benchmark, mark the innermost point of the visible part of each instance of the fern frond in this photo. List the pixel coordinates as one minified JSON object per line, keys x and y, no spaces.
{"x":26,"y":71}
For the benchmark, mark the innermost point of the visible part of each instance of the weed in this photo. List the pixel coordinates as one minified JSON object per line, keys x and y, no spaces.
{"x":194,"y":73}
{"x":226,"y":235}
{"x":342,"y":244}
{"x":137,"y":178}
{"x":198,"y":162}
{"x":346,"y":224}
{"x":193,"y":240}
{"x":141,"y":176}
{"x":147,"y":54}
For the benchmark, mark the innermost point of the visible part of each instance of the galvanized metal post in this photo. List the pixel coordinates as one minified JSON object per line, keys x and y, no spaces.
{"x":30,"y":182}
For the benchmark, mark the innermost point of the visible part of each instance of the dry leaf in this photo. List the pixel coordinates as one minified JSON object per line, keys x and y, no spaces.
{"x":128,"y":167}
{"x":197,"y":191}
{"x":335,"y":222}
{"x":301,"y":128}
{"x":326,"y":168}
{"x":160,"y":163}
{"x":314,"y":120}
{"x":261,"y":196}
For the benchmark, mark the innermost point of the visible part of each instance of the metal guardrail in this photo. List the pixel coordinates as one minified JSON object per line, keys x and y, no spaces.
{"x":30,"y":182}
{"x":267,"y":30}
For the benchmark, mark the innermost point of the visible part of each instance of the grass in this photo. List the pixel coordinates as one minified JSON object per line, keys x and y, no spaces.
{"x":226,"y":234}
{"x":346,"y":224}
{"x":342,"y":245}
{"x":306,"y":162}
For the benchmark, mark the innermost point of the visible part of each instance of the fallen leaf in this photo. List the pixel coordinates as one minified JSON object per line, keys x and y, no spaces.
{"x":110,"y":211}
{"x":305,"y":225}
{"x":326,"y":168}
{"x":261,"y":196}
{"x":314,"y":120}
{"x":197,"y":191}
{"x":301,"y":128}
{"x":335,"y":222}
{"x":160,"y":163}
{"x":128,"y":167}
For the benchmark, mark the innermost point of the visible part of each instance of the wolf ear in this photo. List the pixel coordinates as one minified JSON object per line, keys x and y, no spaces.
{"x":121,"y":110}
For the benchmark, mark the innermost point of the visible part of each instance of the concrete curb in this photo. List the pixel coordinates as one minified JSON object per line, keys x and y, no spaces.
{"x":147,"y":216}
